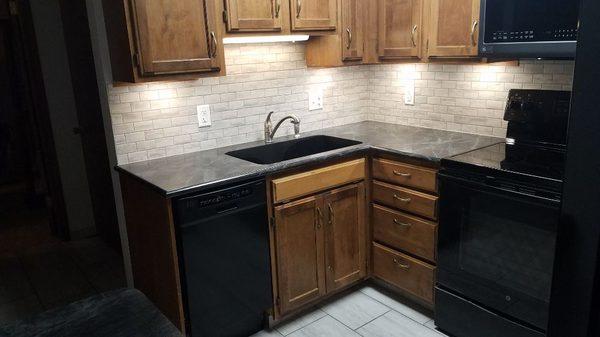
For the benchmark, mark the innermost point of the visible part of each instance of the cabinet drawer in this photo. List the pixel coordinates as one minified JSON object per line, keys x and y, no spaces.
{"x":311,"y":182}
{"x":404,"y":232}
{"x":404,"y":272}
{"x":405,"y":199}
{"x":405,"y":174}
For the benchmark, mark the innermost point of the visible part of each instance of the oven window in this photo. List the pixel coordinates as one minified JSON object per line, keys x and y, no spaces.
{"x":530,"y":20}
{"x":510,"y":243}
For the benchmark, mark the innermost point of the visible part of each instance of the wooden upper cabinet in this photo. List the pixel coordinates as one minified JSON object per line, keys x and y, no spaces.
{"x":175,"y":37}
{"x":300,"y":256}
{"x":454,"y":28}
{"x":400,"y":28}
{"x":352,"y":29}
{"x":345,"y":238}
{"x":253,"y":15}
{"x":313,"y":15}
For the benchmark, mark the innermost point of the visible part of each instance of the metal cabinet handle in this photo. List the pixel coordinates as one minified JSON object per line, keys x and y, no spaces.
{"x":406,"y":200}
{"x":475,"y":23}
{"x":298,"y":8}
{"x":402,"y":174}
{"x":277,"y":9}
{"x":403,"y":266}
{"x":319,"y":217}
{"x":412,"y":35}
{"x":331,"y":215}
{"x":213,"y":47}
{"x":349,"y":38}
{"x":403,"y":224}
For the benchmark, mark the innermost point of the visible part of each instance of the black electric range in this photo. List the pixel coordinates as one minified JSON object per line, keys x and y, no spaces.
{"x":499,"y":215}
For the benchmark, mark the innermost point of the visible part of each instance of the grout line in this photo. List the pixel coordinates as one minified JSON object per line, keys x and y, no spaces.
{"x":300,"y":328}
{"x":391,"y":309}
{"x":373,"y":319}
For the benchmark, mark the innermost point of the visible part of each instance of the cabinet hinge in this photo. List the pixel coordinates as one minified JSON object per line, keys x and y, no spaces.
{"x":427,"y":45}
{"x":13,"y":8}
{"x":272,"y":222}
{"x":225,"y":16}
{"x":137,"y":60}
{"x":277,"y":301}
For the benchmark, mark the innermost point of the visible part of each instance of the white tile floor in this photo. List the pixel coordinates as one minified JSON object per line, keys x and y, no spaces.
{"x":368,"y":312}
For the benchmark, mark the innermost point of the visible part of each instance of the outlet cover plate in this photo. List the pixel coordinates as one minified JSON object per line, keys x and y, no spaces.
{"x":409,"y":93}
{"x":203,"y":115}
{"x":315,"y":99}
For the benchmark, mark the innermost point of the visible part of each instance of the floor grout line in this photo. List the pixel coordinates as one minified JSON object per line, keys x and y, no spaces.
{"x":390,"y":309}
{"x":400,"y":312}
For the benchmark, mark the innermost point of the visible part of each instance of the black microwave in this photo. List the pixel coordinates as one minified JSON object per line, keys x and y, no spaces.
{"x":529,"y":28}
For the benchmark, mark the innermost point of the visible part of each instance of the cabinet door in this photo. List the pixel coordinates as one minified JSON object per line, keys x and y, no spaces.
{"x":345,"y":236}
{"x":400,"y":28}
{"x":300,"y":256}
{"x":313,"y":15}
{"x":253,"y":15}
{"x":453,"y":28}
{"x":175,"y":37}
{"x":353,"y":17}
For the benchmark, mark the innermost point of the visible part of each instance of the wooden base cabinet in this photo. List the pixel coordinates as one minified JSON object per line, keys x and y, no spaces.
{"x":320,"y":246}
{"x":404,"y":229}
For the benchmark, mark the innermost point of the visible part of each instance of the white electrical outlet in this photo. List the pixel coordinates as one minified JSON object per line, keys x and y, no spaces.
{"x":409,"y":93}
{"x":203,"y":115}
{"x":315,"y":99}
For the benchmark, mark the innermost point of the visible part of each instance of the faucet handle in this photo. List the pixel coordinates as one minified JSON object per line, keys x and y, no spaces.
{"x":269,"y":116}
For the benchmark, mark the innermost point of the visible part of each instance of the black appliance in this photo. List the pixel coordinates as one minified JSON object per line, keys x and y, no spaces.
{"x":223,"y":244}
{"x":528,"y":28}
{"x":499,"y":216}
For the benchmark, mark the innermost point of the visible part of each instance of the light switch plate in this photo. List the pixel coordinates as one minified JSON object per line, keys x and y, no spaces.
{"x":203,"y":115}
{"x":409,"y":93}
{"x":315,"y":99}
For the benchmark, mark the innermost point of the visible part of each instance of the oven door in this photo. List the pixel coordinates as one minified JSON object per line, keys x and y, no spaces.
{"x":496,"y":248}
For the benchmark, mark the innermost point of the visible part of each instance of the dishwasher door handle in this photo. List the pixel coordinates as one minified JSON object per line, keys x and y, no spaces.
{"x":227,"y":210}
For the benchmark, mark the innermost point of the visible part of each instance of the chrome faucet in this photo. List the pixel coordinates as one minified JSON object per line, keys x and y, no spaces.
{"x":270,"y":131}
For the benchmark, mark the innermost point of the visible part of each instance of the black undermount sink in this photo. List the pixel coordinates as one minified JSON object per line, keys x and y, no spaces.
{"x":296,"y":148}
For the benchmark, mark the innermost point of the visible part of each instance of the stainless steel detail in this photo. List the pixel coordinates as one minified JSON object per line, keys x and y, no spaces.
{"x":403,"y":224}
{"x":475,"y":23}
{"x":402,"y":174}
{"x":213,"y":46}
{"x":270,"y":131}
{"x":403,"y":266}
{"x":349,"y":44}
{"x":405,"y":200}
{"x":412,"y":35}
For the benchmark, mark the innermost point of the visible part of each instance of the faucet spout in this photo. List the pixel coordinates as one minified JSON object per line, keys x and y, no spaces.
{"x":270,"y":131}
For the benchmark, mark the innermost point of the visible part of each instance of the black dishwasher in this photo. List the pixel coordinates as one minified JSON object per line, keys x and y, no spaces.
{"x":223,"y":244}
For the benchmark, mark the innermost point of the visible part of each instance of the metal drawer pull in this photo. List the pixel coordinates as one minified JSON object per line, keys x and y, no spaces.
{"x":406,"y":200}
{"x":403,"y":224}
{"x":349,"y":38}
{"x":331,"y":215}
{"x":475,"y":23}
{"x":402,"y":174}
{"x":298,"y":8}
{"x":277,"y":8}
{"x":319,"y":217}
{"x":403,"y":266}
{"x":412,"y":35}
{"x":213,"y":37}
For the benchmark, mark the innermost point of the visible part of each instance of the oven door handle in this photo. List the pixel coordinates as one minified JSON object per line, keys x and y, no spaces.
{"x":483,"y":187}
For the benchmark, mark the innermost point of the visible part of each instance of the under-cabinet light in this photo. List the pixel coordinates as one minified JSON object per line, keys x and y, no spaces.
{"x":265,"y":39}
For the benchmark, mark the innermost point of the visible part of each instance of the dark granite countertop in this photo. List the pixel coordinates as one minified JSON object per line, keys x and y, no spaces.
{"x":192,"y":172}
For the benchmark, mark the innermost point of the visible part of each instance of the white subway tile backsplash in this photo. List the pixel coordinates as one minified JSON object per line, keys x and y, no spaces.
{"x":159,"y":119}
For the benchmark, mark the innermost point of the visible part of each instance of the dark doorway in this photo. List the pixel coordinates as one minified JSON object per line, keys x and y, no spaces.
{"x":50,"y":254}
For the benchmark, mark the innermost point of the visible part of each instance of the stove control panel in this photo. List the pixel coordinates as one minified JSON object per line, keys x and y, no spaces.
{"x":537,"y":115}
